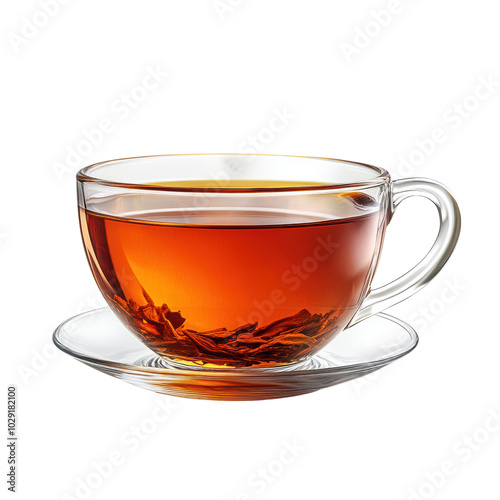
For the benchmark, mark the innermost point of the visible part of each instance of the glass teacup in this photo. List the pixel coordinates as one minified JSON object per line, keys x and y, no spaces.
{"x":247,"y":261}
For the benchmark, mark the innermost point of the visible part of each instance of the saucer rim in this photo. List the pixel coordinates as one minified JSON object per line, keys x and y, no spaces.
{"x":235,"y":372}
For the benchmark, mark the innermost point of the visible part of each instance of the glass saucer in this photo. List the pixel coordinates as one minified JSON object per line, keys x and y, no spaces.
{"x":99,"y":340}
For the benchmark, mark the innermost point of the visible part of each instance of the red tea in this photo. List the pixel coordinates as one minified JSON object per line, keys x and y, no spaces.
{"x":233,"y":288}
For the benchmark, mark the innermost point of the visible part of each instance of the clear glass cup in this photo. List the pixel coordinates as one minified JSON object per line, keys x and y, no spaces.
{"x":247,"y":261}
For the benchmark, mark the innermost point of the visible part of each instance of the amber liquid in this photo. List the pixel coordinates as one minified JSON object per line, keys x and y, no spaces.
{"x":233,"y":288}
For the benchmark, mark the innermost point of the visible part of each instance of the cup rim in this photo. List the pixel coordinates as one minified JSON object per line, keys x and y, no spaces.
{"x":382,"y":176}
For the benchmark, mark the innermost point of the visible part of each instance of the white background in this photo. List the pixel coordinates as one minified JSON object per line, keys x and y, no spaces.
{"x":382,"y":437}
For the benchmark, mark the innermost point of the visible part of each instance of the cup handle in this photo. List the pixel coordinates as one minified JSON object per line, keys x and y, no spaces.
{"x":400,"y":289}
